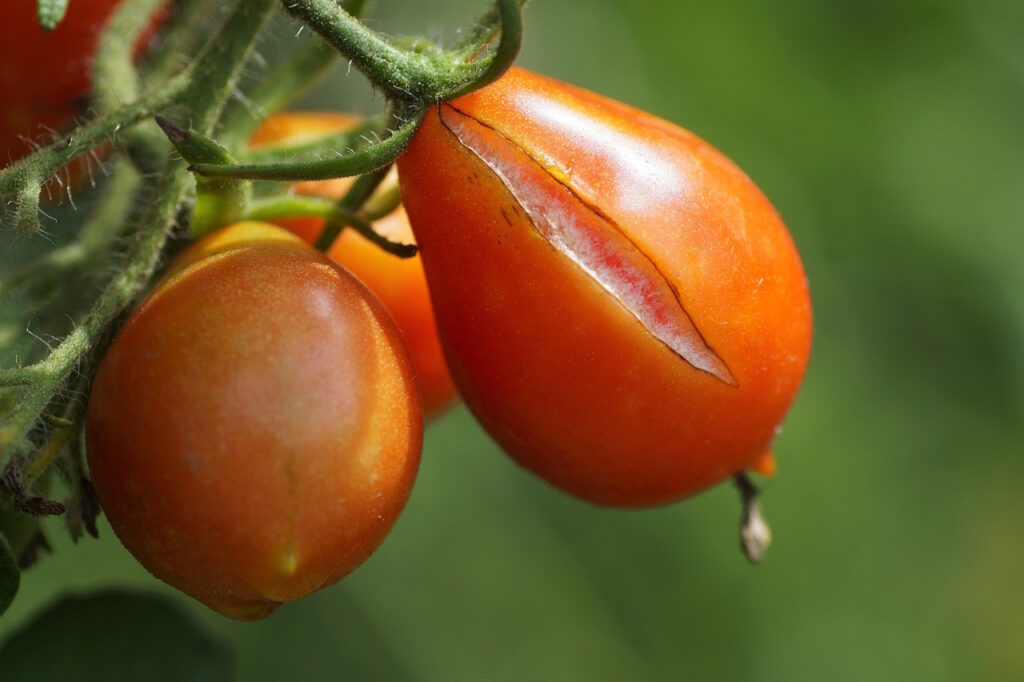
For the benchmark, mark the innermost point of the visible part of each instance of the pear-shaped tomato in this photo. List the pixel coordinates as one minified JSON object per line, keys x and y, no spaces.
{"x":620,"y":306}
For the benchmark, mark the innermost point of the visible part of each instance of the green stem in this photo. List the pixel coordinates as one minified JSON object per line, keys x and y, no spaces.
{"x":362,"y":161}
{"x":465,"y":78}
{"x":314,"y":149}
{"x":115,"y":78}
{"x":50,"y":374}
{"x":357,"y":195}
{"x":413,"y":77}
{"x":113,"y":70}
{"x":219,"y":201}
{"x":184,"y":32}
{"x":290,"y":206}
{"x":389,"y":68}
{"x":483,"y":31}
{"x":279,"y":88}
{"x":282,"y":85}
{"x":382,"y":202}
{"x":26,"y":201}
{"x":47,"y":160}
{"x":94,"y":237}
{"x":219,"y":64}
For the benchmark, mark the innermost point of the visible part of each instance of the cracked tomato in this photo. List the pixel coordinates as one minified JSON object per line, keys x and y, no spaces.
{"x":620,"y":306}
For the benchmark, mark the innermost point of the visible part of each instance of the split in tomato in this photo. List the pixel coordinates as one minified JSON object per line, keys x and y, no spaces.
{"x":620,"y":306}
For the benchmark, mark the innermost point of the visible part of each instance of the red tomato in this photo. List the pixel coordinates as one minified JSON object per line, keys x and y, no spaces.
{"x":400,"y":283}
{"x":620,"y":306}
{"x":44,"y":75}
{"x":255,"y":428}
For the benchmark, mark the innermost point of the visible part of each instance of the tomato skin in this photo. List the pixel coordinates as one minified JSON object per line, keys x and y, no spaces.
{"x":44,"y":75}
{"x":563,"y":374}
{"x":255,"y":428}
{"x":400,"y":283}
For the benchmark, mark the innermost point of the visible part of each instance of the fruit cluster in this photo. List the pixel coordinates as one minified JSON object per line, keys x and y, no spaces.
{"x":617,"y":303}
{"x":619,"y":306}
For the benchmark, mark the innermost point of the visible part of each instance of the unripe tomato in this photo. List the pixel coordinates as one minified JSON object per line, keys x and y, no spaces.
{"x":400,"y":283}
{"x":620,"y":306}
{"x":255,"y":428}
{"x":43,"y":76}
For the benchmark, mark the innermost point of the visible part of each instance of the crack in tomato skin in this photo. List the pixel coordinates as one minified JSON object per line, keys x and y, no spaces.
{"x":593,"y":242}
{"x":556,"y":368}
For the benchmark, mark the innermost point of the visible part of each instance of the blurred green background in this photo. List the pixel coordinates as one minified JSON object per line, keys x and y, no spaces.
{"x":890,"y":135}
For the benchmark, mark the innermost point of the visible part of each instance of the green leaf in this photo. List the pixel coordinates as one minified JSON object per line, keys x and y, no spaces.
{"x":10,"y":576}
{"x":51,"y":13}
{"x":114,"y":635}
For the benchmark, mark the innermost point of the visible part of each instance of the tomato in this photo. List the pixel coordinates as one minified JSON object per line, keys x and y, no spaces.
{"x":620,"y":306}
{"x":255,"y":428}
{"x":400,"y":283}
{"x":44,"y":75}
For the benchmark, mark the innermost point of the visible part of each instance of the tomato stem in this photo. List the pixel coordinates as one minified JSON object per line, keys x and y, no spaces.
{"x":356,"y":196}
{"x":755,"y":535}
{"x":361,"y":161}
{"x":388,"y":67}
{"x":417,"y":76}
{"x":348,"y":140}
{"x":114,"y":72}
{"x":293,"y":206}
{"x":93,"y":239}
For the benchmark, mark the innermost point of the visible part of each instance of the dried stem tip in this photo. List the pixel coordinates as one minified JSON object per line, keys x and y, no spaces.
{"x":755,"y":535}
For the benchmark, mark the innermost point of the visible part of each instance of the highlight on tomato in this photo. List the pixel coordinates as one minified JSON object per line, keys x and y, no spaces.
{"x":400,"y":283}
{"x":620,"y":306}
{"x":255,"y":428}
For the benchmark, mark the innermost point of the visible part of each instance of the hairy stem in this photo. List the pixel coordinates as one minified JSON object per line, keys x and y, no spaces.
{"x":280,"y":87}
{"x":337,"y":143}
{"x":116,"y":80}
{"x":361,"y":161}
{"x":389,"y":68}
{"x":353,"y":200}
{"x":94,"y":237}
{"x":217,"y":69}
{"x":318,"y":207}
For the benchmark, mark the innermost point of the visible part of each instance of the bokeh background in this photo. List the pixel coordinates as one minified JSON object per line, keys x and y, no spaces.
{"x":890,"y":135}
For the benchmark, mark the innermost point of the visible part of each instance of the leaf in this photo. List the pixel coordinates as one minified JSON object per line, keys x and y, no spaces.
{"x":51,"y":13}
{"x":114,"y":635}
{"x":10,"y":576}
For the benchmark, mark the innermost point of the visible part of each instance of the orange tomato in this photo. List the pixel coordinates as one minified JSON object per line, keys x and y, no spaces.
{"x":400,"y":283}
{"x":255,"y":428}
{"x":620,"y":306}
